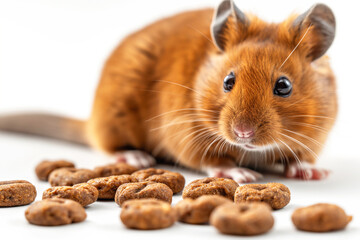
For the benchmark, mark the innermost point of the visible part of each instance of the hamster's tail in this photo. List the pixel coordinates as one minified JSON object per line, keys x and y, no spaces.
{"x":45,"y":125}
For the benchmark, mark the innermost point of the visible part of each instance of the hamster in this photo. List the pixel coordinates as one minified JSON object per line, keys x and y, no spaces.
{"x":212,"y":90}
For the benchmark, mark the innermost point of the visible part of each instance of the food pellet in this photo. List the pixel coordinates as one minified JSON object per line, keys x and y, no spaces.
{"x":321,"y":217}
{"x":82,"y":193}
{"x":54,"y":212}
{"x":16,"y":193}
{"x":245,"y":219}
{"x":211,"y":186}
{"x":140,"y":190}
{"x":173,"y":180}
{"x":277,"y":195}
{"x":107,"y":186}
{"x":70,"y":176}
{"x":114,"y":169}
{"x":197,"y":211}
{"x":44,"y":168}
{"x":147,"y":214}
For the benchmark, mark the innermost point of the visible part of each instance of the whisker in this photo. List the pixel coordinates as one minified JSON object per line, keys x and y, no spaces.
{"x":281,"y":153}
{"x":179,"y":110}
{"x":212,"y":43}
{"x":151,"y":90}
{"x":292,"y":151}
{"x":310,"y":126}
{"x":313,"y":116}
{"x":301,"y":144}
{"x":304,"y":136}
{"x":216,"y":148}
{"x":242,"y":157}
{"x":207,"y":149}
{"x":195,"y":118}
{"x":194,"y":133}
{"x":180,"y":85}
{"x":177,"y":123}
{"x":205,"y":140}
{"x":223,"y":146}
{"x":300,"y":100}
{"x":188,"y":135}
{"x":196,"y":141}
{"x":206,"y":37}
{"x":296,"y":46}
{"x":198,"y":115}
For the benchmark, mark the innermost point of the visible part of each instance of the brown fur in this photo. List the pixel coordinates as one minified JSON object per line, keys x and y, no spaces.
{"x":161,"y":91}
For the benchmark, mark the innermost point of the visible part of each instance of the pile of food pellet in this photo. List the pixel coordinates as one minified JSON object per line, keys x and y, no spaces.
{"x":145,"y":197}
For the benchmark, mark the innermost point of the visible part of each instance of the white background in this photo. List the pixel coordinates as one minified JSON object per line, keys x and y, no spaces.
{"x":51,"y":56}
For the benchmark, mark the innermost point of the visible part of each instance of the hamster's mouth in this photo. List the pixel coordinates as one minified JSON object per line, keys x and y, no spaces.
{"x":248,"y":146}
{"x":253,"y":148}
{"x":254,"y":142}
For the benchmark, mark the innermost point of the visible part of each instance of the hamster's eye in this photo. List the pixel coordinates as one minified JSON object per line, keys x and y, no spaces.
{"x":229,"y":82}
{"x":283,"y":87}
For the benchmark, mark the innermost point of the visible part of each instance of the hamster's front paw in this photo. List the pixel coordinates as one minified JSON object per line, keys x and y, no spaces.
{"x":305,"y":171}
{"x":238,"y":174}
{"x":136,"y":158}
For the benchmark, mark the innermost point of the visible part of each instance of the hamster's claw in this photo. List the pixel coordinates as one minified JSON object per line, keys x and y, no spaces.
{"x":136,"y":158}
{"x":305,"y":172}
{"x":240,"y":175}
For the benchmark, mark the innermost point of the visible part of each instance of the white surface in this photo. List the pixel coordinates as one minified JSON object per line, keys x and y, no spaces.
{"x":21,"y":154}
{"x":51,"y":55}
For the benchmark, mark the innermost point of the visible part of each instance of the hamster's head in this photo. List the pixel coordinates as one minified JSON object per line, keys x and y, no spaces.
{"x":269,"y":85}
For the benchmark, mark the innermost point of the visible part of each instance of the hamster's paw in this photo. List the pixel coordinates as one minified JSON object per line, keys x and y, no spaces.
{"x":136,"y":158}
{"x":240,"y":175}
{"x":305,"y":171}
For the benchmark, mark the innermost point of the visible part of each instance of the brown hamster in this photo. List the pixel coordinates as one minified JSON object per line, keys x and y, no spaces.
{"x":213,"y":91}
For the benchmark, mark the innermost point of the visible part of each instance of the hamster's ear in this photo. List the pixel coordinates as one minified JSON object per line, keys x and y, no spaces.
{"x":221,"y":20}
{"x":320,"y":21}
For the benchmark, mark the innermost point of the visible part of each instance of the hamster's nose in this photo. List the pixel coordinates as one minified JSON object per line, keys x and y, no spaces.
{"x":244,"y":131}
